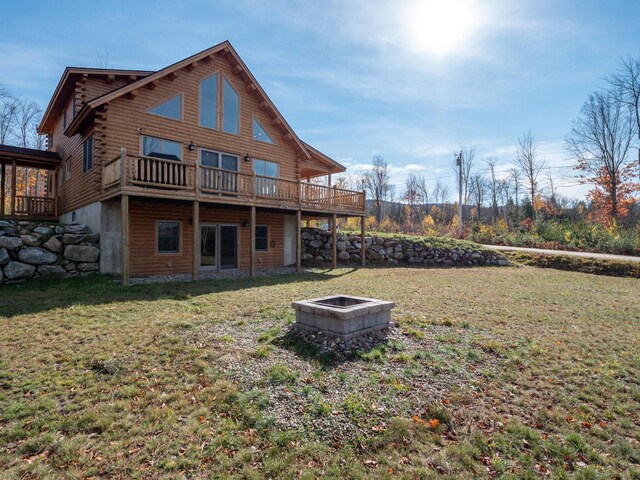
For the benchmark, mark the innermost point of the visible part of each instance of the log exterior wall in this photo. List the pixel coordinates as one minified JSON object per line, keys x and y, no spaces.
{"x":145,"y":213}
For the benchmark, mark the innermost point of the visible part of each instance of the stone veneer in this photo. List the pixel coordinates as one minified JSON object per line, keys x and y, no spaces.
{"x":316,"y":247}
{"x":31,"y":249}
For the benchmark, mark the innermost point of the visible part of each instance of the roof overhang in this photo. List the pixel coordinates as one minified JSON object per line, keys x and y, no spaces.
{"x":66,"y":86}
{"x":29,"y":157}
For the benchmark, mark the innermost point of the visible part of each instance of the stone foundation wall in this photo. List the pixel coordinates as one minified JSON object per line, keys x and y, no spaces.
{"x":30,"y":249}
{"x":316,"y":246}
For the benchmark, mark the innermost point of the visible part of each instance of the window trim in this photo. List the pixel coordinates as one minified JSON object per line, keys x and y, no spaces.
{"x":220,"y":153}
{"x":267,"y":237}
{"x":67,"y":169}
{"x":181,"y":119}
{"x":157,"y":237}
{"x":221,"y":96}
{"x":89,"y":138}
{"x":255,"y":119}
{"x":164,"y":139}
{"x":218,"y":113}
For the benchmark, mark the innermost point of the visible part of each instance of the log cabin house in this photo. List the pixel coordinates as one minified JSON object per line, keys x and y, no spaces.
{"x":187,"y":169}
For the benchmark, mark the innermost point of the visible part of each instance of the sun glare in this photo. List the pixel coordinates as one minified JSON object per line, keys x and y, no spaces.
{"x":440,"y":27}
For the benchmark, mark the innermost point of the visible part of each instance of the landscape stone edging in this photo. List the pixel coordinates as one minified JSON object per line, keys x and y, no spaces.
{"x":317,"y":247}
{"x":32,"y":249}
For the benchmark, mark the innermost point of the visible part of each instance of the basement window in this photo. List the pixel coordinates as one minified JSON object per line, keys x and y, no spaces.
{"x":262,"y":239}
{"x":168,"y":234}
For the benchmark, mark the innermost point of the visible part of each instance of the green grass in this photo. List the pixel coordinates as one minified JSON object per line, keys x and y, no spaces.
{"x":507,"y":373}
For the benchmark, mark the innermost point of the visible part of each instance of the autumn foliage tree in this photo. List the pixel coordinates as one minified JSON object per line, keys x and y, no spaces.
{"x":600,"y":140}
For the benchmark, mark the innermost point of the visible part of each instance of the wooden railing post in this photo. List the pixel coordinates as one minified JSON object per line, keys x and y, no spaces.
{"x":333,"y":202}
{"x":13,"y":187}
{"x":123,"y":167}
{"x":254,"y":186}
{"x":4,"y":181}
{"x":197,"y":181}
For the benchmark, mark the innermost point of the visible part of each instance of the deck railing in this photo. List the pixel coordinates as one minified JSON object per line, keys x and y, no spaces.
{"x":35,"y":206}
{"x":150,"y":172}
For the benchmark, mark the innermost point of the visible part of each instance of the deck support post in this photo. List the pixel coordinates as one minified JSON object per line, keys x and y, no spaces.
{"x":362,"y":249}
{"x":334,"y":239}
{"x":299,"y":241}
{"x":196,"y":240}
{"x":124,"y":254}
{"x":2,"y":186}
{"x":13,"y":188}
{"x":252,"y":223}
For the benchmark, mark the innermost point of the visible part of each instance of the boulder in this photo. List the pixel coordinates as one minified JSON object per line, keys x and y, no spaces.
{"x":30,"y":240}
{"x":77,"y":229}
{"x":37,"y":256}
{"x":73,"y":238}
{"x":10,"y":243}
{"x":4,"y":223}
{"x":88,"y":267}
{"x":70,"y":267}
{"x":18,"y":271}
{"x":341,"y":246}
{"x":315,"y":244}
{"x":343,"y":255}
{"x":53,"y":244}
{"x":42,"y":230}
{"x":81,"y":253}
{"x":4,"y":257}
{"x":51,"y":270}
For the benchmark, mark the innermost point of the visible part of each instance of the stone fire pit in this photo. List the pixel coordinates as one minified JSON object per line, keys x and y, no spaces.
{"x":343,"y":316}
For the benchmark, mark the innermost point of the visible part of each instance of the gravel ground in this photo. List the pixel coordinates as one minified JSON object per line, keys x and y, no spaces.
{"x":340,"y":393}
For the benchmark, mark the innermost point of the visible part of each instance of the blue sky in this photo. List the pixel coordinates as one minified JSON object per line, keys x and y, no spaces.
{"x":409,"y":80}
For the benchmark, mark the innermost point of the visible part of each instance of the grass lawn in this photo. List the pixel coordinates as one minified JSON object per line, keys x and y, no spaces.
{"x":491,"y":372}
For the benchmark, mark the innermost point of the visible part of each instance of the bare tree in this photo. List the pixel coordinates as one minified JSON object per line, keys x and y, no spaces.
{"x":530,"y":165}
{"x":600,"y":140}
{"x":26,"y":116}
{"x":8,"y":112}
{"x":626,"y":88}
{"x":515,"y":180}
{"x":467,"y":158}
{"x":477,"y":191}
{"x":377,"y":182}
{"x":492,"y":162}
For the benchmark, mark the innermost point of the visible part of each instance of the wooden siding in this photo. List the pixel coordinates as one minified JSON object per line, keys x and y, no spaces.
{"x":127,"y":121}
{"x":144,"y":215}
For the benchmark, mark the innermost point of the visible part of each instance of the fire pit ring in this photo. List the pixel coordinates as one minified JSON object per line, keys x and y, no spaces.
{"x":343,"y":316}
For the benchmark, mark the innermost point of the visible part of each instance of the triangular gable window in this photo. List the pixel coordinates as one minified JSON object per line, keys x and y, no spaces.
{"x":172,"y":108}
{"x":259,"y":133}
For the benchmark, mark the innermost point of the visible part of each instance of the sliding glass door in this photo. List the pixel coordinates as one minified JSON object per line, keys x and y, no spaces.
{"x":218,"y":247}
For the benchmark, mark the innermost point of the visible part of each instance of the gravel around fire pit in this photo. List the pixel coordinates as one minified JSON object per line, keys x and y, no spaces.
{"x":341,"y":390}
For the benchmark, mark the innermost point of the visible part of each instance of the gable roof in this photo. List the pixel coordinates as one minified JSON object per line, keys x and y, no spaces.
{"x":66,"y":86}
{"x":224,"y":48}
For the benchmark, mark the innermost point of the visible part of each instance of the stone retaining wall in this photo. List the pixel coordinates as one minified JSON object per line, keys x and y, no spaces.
{"x":316,"y":246}
{"x":29,"y":249}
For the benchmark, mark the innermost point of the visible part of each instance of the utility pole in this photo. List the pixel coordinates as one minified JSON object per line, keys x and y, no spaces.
{"x":459,"y":164}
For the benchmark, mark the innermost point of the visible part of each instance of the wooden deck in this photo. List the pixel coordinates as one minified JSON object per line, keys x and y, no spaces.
{"x":153,"y":177}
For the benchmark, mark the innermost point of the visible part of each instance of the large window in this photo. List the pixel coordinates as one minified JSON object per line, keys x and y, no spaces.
{"x":230,"y":108}
{"x":262,"y":239}
{"x":168,"y":235}
{"x":209,"y":102}
{"x":87,"y":155}
{"x":266,"y":186}
{"x":161,"y":148}
{"x":265,"y":167}
{"x":214,"y":179}
{"x":259,"y":133}
{"x":171,"y":108}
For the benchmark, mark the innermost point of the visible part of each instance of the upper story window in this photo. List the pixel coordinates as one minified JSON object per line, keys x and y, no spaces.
{"x":209,"y":102}
{"x":161,"y":148}
{"x":230,"y":108}
{"x":259,"y":133}
{"x":265,"y":167}
{"x":209,"y":158}
{"x":171,"y":108}
{"x":87,"y":155}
